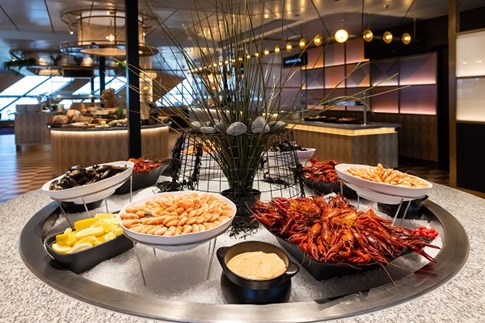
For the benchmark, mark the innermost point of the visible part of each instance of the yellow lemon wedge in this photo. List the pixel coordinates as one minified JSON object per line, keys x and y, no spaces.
{"x":89,"y":239}
{"x":84,"y":223}
{"x":94,"y":231}
{"x":80,"y":247}
{"x":118,"y":231}
{"x":107,"y":227}
{"x":61,"y":249}
{"x":71,"y":239}
{"x":104,"y":216}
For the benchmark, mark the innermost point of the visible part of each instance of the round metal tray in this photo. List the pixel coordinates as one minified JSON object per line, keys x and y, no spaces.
{"x":406,"y":286}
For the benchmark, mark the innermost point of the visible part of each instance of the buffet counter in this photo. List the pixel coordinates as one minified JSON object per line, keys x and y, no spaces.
{"x":349,"y":143}
{"x":25,"y":298}
{"x":93,"y":145}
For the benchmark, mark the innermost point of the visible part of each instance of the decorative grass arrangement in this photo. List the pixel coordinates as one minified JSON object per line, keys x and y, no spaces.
{"x":238,"y":90}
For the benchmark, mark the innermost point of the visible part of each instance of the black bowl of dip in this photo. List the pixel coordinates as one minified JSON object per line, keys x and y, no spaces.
{"x":242,"y":290}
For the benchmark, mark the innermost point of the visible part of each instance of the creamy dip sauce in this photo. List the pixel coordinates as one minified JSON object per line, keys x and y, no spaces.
{"x":257,"y":265}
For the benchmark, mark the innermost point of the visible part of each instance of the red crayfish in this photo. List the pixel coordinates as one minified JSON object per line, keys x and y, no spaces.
{"x":334,"y":231}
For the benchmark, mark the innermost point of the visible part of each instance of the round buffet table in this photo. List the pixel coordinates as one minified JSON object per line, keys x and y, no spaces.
{"x":25,"y":298}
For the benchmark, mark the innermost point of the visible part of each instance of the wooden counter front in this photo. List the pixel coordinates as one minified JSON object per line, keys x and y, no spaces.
{"x":86,"y":147}
{"x":353,"y":144}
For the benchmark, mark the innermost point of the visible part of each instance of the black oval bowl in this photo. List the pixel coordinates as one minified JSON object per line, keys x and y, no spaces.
{"x":81,"y":261}
{"x":141,"y":180}
{"x":327,"y":188}
{"x":71,"y":207}
{"x":224,"y":254}
{"x":414,"y":211}
{"x":323,"y":270}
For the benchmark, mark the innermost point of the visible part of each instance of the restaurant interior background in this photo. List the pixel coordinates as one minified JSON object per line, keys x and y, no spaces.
{"x":440,"y":110}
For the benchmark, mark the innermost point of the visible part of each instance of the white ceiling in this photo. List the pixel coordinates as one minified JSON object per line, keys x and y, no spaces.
{"x":34,"y":26}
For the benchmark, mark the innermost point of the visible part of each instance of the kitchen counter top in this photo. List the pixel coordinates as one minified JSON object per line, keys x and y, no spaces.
{"x":348,"y":126}
{"x":25,"y":298}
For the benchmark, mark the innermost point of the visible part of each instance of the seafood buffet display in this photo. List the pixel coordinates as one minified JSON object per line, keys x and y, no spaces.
{"x":336,"y":232}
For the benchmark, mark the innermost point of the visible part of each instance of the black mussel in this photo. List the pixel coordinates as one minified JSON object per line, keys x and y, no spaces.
{"x":82,"y":181}
{"x":100,"y":169}
{"x":75,"y":167}
{"x":54,"y":185}
{"x":107,"y":173}
{"x":76,"y":173}
{"x":66,"y":182}
{"x":90,"y":173}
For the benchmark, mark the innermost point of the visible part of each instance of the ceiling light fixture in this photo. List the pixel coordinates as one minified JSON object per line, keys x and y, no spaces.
{"x":101,"y":32}
{"x":277,"y":49}
{"x":406,"y":38}
{"x":266,"y":51}
{"x":368,"y":35}
{"x":318,"y":40}
{"x":387,"y":37}
{"x":341,"y":36}
{"x":302,"y":43}
{"x":289,"y":47}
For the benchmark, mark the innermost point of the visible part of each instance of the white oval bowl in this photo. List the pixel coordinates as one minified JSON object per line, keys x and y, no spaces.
{"x":184,"y":240}
{"x":397,"y":191}
{"x":91,"y":192}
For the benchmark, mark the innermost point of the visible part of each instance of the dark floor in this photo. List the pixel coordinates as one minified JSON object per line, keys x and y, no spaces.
{"x":29,"y":168}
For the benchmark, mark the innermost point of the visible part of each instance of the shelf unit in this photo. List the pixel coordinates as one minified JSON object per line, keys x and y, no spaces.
{"x":341,"y":69}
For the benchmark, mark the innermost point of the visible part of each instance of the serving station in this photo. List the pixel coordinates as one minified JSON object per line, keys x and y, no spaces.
{"x":350,"y":143}
{"x":132,"y":284}
{"x":89,"y":146}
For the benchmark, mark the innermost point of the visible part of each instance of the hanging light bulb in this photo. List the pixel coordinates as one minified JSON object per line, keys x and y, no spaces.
{"x":318,"y":40}
{"x":368,"y":35}
{"x":302,"y":43}
{"x":110,"y":37}
{"x":406,"y":38}
{"x":341,"y":35}
{"x":289,"y":47}
{"x":277,"y":49}
{"x":387,"y":37}
{"x":248,"y":56}
{"x":256,"y":54}
{"x":266,"y":51}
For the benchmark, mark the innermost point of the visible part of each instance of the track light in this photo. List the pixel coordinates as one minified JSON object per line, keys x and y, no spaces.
{"x":387,"y":37}
{"x":317,"y":40}
{"x":406,"y":38}
{"x":368,"y":35}
{"x":341,"y":35}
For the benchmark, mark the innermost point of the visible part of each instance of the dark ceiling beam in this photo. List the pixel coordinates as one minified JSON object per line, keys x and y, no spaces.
{"x":11,"y":20}
{"x":49,"y":15}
